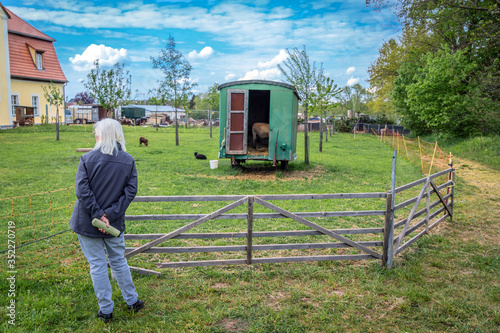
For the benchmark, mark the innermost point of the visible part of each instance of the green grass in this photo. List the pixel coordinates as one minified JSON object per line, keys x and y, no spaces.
{"x":482,"y":149}
{"x":446,"y":282}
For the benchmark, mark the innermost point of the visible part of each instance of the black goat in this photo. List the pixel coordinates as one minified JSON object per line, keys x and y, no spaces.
{"x":200,"y":156}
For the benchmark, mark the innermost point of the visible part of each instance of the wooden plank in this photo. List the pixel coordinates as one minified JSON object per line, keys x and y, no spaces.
{"x":420,"y":212}
{"x":441,"y":198}
{"x":144,"y":271}
{"x":192,"y":249}
{"x":410,"y":217}
{"x":441,"y":219}
{"x":201,"y":263}
{"x":414,"y":239}
{"x":295,"y":233}
{"x":262,"y":260}
{"x":317,"y":227}
{"x":412,"y":200}
{"x":241,"y":216}
{"x":420,"y":181}
{"x":410,"y":241}
{"x":83,"y":150}
{"x":183,"y":198}
{"x":420,"y":223}
{"x":313,"y":258}
{"x":249,"y":230}
{"x":186,"y":227}
{"x":242,"y":248}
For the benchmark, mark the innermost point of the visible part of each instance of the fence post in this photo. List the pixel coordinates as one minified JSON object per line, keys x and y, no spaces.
{"x":210,"y":121}
{"x":388,"y":245}
{"x":249,"y":230}
{"x":427,"y":208}
{"x":452,"y":201}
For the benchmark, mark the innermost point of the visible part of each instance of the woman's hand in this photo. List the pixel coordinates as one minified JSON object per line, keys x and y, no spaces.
{"x":105,"y":220}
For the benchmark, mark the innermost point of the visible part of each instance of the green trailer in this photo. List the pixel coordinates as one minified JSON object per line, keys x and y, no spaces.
{"x":245,"y":103}
{"x":133,"y":112}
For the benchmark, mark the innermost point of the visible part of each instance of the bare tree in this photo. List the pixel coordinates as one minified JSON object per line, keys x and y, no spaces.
{"x":54,"y":96}
{"x":176,"y":85}
{"x":301,"y":73}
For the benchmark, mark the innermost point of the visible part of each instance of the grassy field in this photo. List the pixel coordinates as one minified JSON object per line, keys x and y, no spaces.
{"x":447,"y":282}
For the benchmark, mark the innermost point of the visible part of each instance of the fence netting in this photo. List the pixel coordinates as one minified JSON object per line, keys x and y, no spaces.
{"x":428,"y":155}
{"x":35,"y":238}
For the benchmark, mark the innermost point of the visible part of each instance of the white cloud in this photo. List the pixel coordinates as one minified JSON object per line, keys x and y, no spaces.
{"x":268,"y":74}
{"x":229,"y":77}
{"x":107,"y":56}
{"x":352,"y":81}
{"x":282,"y":56}
{"x":206,"y":52}
{"x":350,"y":70}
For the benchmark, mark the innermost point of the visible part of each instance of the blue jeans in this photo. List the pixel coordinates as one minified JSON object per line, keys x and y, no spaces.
{"x":95,"y":250}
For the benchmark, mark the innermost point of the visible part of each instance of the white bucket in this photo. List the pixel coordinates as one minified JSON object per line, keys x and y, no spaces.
{"x":214,"y":164}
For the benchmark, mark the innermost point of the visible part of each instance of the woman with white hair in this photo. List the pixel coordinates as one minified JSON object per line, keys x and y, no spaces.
{"x":106,"y":183}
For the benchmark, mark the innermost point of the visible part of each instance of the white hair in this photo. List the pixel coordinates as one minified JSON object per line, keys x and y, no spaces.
{"x":110,"y":134}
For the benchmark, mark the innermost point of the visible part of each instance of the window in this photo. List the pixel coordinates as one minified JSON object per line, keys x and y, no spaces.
{"x":36,"y":104}
{"x":14,"y":99}
{"x":39,"y":61}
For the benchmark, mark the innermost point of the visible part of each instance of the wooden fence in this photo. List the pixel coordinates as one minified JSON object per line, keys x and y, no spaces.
{"x":383,"y":250}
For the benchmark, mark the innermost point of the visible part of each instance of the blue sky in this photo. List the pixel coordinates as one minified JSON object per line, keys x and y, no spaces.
{"x":223,"y":40}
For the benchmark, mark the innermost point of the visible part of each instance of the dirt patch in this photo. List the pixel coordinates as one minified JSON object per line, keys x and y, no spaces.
{"x":220,"y":286}
{"x":267,"y":174}
{"x":274,"y":299}
{"x":233,"y":325}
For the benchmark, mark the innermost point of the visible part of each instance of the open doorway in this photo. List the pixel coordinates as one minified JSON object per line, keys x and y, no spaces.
{"x":259,"y":102}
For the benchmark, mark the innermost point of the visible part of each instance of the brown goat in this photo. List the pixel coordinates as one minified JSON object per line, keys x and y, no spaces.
{"x":143,"y":140}
{"x":260,"y":131}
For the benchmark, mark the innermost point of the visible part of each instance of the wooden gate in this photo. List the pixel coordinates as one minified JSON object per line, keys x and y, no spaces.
{"x":390,"y":246}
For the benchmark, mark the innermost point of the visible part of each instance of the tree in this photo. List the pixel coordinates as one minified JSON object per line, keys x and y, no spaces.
{"x":326,"y":89}
{"x":111,"y":88}
{"x":435,"y":29}
{"x":354,"y":98}
{"x":442,"y":95}
{"x":176,"y":85}
{"x":302,"y":74}
{"x":54,"y":96}
{"x":213,"y":98}
{"x":84,"y":98}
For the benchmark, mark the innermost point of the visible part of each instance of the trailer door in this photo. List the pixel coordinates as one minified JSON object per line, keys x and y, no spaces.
{"x":237,"y":109}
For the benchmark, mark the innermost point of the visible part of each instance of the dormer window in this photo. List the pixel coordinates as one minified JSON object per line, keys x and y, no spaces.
{"x":37,"y":57}
{"x":39,"y":61}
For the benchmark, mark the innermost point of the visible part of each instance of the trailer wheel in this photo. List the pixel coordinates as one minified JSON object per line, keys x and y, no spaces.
{"x":284,"y":165}
{"x":78,"y":121}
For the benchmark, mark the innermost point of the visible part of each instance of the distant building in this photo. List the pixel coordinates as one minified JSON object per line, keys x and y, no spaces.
{"x":151,"y":110}
{"x":28,"y":62}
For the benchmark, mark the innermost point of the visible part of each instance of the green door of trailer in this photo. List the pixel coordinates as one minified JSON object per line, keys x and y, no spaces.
{"x":237,"y":107}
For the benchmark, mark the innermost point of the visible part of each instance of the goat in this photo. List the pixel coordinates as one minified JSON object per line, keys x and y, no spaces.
{"x":143,"y":140}
{"x":259,"y":131}
{"x":200,"y":156}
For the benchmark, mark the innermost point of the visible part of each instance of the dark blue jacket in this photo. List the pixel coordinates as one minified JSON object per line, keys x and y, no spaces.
{"x":105,"y":184}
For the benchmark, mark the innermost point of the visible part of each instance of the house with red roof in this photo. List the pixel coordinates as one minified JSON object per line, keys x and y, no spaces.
{"x":28,"y":62}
